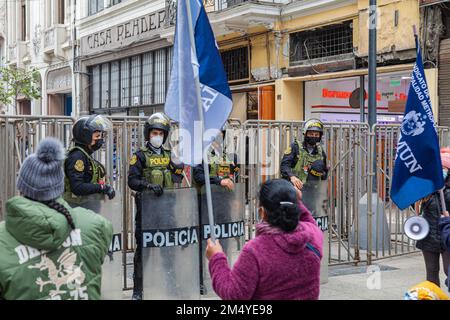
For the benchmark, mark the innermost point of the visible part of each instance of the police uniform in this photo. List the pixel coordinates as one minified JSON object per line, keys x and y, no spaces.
{"x":219,"y":168}
{"x":150,"y":168}
{"x":297,"y":159}
{"x":85,"y":176}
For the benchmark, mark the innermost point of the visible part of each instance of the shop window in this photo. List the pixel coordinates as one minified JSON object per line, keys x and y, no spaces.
{"x":236,"y":64}
{"x":324,"y":42}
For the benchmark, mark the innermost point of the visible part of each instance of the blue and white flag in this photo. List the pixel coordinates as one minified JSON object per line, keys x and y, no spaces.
{"x":418,"y":168}
{"x":204,"y":62}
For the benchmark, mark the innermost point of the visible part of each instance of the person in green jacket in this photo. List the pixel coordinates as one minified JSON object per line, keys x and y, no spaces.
{"x":48,"y":250}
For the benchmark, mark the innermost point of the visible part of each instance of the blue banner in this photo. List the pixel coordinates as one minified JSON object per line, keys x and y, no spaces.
{"x":206,"y":64}
{"x":418,"y":168}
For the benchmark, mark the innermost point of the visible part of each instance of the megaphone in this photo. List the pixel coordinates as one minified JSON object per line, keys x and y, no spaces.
{"x":416,"y":228}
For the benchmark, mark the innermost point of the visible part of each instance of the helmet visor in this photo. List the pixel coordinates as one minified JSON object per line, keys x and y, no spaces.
{"x":100,"y":123}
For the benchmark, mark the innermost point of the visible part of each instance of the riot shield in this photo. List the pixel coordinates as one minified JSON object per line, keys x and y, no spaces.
{"x":228,"y":208}
{"x":315,"y":198}
{"x":170,"y":245}
{"x":112,"y":275}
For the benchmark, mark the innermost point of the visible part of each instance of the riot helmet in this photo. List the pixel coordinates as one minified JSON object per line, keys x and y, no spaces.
{"x":313,"y":125}
{"x":84,"y":128}
{"x":157,"y":121}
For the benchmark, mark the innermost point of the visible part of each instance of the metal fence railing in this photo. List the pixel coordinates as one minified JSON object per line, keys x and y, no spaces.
{"x":260,"y":146}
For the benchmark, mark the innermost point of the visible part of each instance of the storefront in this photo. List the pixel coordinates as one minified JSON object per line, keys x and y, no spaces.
{"x":329,"y":100}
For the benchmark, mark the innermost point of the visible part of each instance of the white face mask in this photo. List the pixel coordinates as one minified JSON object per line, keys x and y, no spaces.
{"x":156,"y":141}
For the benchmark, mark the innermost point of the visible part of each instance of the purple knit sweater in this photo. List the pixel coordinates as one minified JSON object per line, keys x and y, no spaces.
{"x":274,"y":266}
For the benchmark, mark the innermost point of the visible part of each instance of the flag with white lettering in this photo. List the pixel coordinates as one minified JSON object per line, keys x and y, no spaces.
{"x":418,"y":169}
{"x":205,"y":63}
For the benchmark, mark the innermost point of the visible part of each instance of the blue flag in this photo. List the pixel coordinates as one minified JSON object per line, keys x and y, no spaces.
{"x":206,"y":63}
{"x":418,"y":168}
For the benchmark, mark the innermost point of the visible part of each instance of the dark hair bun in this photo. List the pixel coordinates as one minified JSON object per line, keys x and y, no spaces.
{"x":279,"y":198}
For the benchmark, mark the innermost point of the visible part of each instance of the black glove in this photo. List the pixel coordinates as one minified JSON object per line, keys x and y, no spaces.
{"x":109,"y":191}
{"x":317,"y":170}
{"x":156,"y":189}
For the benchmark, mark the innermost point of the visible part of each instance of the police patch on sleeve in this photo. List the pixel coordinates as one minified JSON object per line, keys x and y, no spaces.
{"x":133,"y":160}
{"x":79,"y":165}
{"x":288,"y":150}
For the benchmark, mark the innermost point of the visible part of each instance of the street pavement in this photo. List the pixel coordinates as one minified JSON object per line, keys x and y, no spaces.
{"x":386,"y":279}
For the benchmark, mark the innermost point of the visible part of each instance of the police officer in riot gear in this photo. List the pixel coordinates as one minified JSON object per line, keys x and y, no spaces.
{"x":297,"y":160}
{"x":151,"y":168}
{"x":85,"y":176}
{"x":223,"y":171}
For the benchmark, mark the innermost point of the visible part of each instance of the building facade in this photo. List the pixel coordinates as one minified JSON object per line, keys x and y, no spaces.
{"x":39,"y":35}
{"x":285,"y":60}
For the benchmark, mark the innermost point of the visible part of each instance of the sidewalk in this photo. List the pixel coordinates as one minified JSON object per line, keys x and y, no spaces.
{"x":396,"y":275}
{"x":349,"y":282}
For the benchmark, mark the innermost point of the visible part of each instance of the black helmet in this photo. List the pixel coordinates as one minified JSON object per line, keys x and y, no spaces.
{"x":85,"y":126}
{"x":157,"y":121}
{"x":313,"y":125}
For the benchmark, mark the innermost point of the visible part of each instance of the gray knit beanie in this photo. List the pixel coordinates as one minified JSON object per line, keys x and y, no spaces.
{"x":41,"y":177}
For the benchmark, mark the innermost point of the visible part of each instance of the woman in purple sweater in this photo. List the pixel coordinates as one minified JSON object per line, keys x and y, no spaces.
{"x":282,"y":262}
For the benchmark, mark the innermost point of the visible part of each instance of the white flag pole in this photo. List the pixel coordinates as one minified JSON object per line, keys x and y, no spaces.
{"x":200,"y":113}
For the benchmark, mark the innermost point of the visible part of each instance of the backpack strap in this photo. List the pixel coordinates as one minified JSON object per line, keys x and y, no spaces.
{"x":313,"y":249}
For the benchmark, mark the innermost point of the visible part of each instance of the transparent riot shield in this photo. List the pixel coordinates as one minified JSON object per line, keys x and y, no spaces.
{"x":170,"y":245}
{"x":112,"y":274}
{"x":315,"y":198}
{"x":228,"y":208}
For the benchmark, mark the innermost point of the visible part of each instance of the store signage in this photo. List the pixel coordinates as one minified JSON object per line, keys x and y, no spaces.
{"x":334,"y":94}
{"x":124,"y":34}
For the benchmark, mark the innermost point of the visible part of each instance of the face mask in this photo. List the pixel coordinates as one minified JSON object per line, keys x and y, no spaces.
{"x":312,"y":140}
{"x":156,"y":141}
{"x":98,"y":144}
{"x":445,"y":173}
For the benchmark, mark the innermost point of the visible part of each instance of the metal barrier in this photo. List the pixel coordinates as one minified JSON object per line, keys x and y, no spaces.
{"x":19,"y":136}
{"x":350,"y":149}
{"x":260,"y":147}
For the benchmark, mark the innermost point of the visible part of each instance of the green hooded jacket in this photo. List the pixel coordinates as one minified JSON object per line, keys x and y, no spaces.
{"x":41,"y":257}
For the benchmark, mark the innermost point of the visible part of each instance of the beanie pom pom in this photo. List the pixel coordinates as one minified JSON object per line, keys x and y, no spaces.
{"x":50,"y":149}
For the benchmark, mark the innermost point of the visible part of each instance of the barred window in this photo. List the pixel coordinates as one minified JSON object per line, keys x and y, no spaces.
{"x":236,"y":64}
{"x":125,"y":81}
{"x":147,"y":78}
{"x":320,"y":43}
{"x":104,"y":84}
{"x":115,"y":84}
{"x":136,"y":81}
{"x":95,"y":97}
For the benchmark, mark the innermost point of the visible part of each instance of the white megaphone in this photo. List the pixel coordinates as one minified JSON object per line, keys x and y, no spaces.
{"x":416,"y":228}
